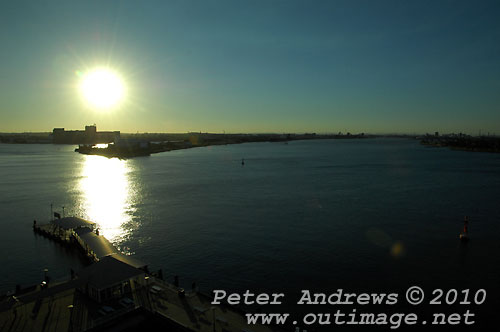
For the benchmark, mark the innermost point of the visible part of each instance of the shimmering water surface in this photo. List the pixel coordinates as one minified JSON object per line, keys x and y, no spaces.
{"x":353,"y":214}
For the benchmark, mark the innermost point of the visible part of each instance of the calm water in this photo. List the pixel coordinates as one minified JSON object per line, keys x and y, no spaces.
{"x":320,"y":215}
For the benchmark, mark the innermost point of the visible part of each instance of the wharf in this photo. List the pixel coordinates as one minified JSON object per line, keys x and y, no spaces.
{"x":151,"y":303}
{"x":82,"y":235}
{"x":194,"y":311}
{"x":53,"y":232}
{"x":115,"y":292}
{"x":65,"y":231}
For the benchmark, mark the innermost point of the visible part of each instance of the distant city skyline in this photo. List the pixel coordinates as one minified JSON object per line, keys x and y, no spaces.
{"x":255,"y":66}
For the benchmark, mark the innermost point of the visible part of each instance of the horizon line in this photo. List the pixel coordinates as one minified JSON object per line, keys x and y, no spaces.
{"x":276,"y":133}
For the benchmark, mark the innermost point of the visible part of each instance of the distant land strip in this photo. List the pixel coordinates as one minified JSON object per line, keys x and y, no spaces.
{"x":196,"y":138}
{"x":463,"y":142}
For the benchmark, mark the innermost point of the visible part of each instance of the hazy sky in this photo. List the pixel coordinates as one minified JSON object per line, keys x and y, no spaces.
{"x":255,"y":66}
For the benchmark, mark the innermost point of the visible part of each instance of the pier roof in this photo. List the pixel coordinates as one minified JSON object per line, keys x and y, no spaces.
{"x":97,"y":243}
{"x":129,"y":260}
{"x":73,"y":223}
{"x":107,"y":272}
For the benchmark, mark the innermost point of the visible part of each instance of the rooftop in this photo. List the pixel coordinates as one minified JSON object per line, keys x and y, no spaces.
{"x":97,"y":243}
{"x":107,"y":272}
{"x":129,"y":260}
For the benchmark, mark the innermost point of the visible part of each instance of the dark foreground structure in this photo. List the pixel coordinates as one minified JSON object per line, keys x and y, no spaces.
{"x":114,"y":293}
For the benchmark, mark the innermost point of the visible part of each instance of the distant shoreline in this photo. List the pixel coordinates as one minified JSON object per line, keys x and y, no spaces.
{"x":464,"y":142}
{"x":197,"y":139}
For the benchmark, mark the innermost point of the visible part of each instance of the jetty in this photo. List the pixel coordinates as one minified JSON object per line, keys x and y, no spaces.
{"x":80,"y":234}
{"x":114,"y":292}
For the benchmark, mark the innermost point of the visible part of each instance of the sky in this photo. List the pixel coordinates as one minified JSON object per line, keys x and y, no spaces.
{"x":254,"y":66}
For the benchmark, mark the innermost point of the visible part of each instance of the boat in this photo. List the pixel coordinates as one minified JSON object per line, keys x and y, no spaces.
{"x":464,"y":236}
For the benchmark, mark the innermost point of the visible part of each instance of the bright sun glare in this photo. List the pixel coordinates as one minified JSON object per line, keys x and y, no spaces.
{"x":102,"y":88}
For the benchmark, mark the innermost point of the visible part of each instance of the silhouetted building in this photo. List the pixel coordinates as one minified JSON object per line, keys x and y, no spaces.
{"x":88,"y":136}
{"x":110,"y":278}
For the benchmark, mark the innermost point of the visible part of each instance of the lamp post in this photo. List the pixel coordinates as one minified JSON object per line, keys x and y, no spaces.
{"x":70,"y":308}
{"x":147,"y":291}
{"x":213,"y":316}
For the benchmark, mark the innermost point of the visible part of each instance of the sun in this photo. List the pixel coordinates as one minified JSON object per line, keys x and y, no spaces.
{"x":102,"y":88}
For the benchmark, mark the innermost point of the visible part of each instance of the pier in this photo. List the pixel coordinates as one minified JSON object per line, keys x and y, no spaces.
{"x":67,"y":231}
{"x":53,"y":232}
{"x":82,"y":235}
{"x":115,"y":292}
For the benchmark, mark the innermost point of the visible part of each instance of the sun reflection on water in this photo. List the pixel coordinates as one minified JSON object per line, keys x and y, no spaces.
{"x":107,"y":195}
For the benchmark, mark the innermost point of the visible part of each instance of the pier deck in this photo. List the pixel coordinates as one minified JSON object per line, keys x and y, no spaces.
{"x":119,"y":284}
{"x":78,"y":233}
{"x":53,"y":232}
{"x":195,"y":312}
{"x":96,"y":246}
